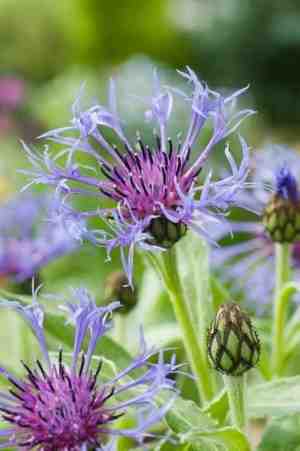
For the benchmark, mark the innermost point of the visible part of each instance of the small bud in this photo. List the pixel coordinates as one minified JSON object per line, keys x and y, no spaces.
{"x":281,"y":219}
{"x":116,"y":288}
{"x":281,"y":216}
{"x":232,"y":342}
{"x":165,"y":233}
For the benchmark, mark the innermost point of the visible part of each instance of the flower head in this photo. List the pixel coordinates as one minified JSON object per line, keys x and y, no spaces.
{"x":62,"y":407}
{"x":249,"y":263}
{"x":28,"y":241}
{"x":153,"y":186}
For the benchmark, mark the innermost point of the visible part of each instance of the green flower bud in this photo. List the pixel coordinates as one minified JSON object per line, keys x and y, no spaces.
{"x":116,"y":288}
{"x":165,"y":233}
{"x":232,"y":342}
{"x":281,"y":219}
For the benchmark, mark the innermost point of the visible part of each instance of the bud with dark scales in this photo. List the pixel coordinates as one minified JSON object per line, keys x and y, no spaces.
{"x":118,"y":289}
{"x":233,"y":344}
{"x":281,"y":216}
{"x":165,"y":233}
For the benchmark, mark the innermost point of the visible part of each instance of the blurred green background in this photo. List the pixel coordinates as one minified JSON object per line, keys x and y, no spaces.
{"x":228,"y":43}
{"x":51,"y":47}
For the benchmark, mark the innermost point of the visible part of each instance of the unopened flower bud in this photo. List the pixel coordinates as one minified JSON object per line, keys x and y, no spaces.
{"x":117,"y":288}
{"x":233,"y":344}
{"x":281,"y":216}
{"x":165,"y":233}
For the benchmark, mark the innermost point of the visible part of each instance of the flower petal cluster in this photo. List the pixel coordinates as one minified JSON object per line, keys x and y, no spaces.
{"x":28,"y":240}
{"x":249,"y":263}
{"x":145,"y":181}
{"x":74,"y":407}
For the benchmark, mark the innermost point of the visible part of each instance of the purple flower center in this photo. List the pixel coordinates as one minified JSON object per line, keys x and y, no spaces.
{"x":149,"y":180}
{"x":59,"y":410}
{"x":286,"y":185}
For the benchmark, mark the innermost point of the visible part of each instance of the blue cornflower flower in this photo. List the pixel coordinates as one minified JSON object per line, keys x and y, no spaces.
{"x":28,"y":241}
{"x":155,"y":188}
{"x":71,"y":407}
{"x":249,"y":264}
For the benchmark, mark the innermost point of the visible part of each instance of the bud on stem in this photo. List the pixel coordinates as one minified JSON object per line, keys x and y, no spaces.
{"x":165,"y":233}
{"x":281,"y":219}
{"x":281,"y":216}
{"x":117,"y":288}
{"x":236,"y":387}
{"x":232,"y":342}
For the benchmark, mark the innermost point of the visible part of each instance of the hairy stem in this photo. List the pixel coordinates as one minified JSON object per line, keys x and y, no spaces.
{"x":235,"y":386}
{"x":282,"y":252}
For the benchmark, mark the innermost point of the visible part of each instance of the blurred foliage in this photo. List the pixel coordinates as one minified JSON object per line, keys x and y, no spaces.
{"x":229,"y":44}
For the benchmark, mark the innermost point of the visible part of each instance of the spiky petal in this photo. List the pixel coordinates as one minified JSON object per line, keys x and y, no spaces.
{"x":145,"y":181}
{"x":71,"y":407}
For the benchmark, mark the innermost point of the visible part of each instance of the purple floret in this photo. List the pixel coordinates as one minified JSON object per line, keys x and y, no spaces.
{"x":286,"y":185}
{"x":57,"y":406}
{"x":145,"y":181}
{"x":28,"y":240}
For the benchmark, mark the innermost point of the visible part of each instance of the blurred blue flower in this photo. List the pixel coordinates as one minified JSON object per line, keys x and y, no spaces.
{"x":29,"y":240}
{"x":154,"y":187}
{"x":62,"y":407}
{"x":249,"y":263}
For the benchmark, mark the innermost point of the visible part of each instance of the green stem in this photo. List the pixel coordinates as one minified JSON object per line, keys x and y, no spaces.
{"x":167,"y":270}
{"x":282,"y":252}
{"x":293,"y":324}
{"x":235,"y":386}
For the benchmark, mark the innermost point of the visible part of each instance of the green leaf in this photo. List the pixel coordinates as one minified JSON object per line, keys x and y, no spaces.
{"x":186,"y":415}
{"x":56,"y":326}
{"x":151,"y":295}
{"x":193,"y":269}
{"x":167,"y":447}
{"x":228,"y":438}
{"x":275,"y":398}
{"x":220,"y":294}
{"x":164,"y":334}
{"x":193,"y":426}
{"x":282,"y":435}
{"x":218,"y":407}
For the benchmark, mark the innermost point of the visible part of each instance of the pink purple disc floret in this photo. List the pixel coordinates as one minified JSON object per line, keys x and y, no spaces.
{"x":153,"y":187}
